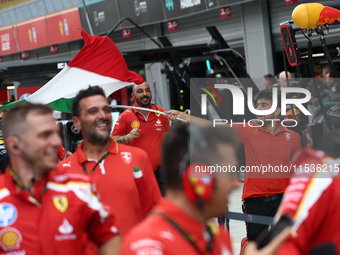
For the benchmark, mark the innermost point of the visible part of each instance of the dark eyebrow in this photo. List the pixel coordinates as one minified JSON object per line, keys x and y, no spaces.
{"x":92,"y":108}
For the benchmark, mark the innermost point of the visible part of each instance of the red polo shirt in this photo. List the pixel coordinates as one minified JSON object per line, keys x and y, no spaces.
{"x":264,"y":149}
{"x":152,"y":128}
{"x":64,"y":213}
{"x":61,"y":153}
{"x":156,"y":235}
{"x":310,"y":201}
{"x":115,"y":180}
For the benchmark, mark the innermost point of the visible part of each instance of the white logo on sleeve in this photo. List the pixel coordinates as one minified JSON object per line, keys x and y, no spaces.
{"x":67,"y":164}
{"x":114,"y":230}
{"x":166,"y":234}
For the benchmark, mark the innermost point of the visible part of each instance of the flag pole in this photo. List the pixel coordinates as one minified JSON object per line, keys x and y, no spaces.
{"x":143,"y":109}
{"x":87,"y":18}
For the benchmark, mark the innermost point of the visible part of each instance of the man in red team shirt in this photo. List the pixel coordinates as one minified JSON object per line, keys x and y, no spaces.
{"x":271,"y":145}
{"x":143,"y":129}
{"x":40,"y":208}
{"x":311,"y":200}
{"x":62,"y":154}
{"x":180,"y":223}
{"x":109,"y":164}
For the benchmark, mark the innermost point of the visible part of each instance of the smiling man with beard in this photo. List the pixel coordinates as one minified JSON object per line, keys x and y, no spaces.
{"x":143,"y":129}
{"x":109,"y":164}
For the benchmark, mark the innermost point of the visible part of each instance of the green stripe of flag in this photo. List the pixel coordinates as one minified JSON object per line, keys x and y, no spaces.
{"x":62,"y":104}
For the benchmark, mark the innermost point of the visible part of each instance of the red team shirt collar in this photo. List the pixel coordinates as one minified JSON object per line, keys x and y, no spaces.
{"x":39,"y":188}
{"x":152,"y":107}
{"x":113,"y":149}
{"x":282,"y":129}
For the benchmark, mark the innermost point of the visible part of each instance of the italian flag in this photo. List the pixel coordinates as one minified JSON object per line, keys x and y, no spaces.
{"x":99,"y":62}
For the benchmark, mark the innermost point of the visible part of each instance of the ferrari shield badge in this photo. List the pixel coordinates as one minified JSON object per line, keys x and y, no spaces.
{"x":61,"y":203}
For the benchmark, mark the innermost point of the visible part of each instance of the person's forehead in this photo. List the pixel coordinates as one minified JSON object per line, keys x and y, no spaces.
{"x":142,"y":86}
{"x":39,"y":122}
{"x":283,"y":75}
{"x":93,"y":101}
{"x":263,"y":100}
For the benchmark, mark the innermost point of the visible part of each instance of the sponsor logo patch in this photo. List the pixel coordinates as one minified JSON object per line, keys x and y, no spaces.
{"x":158,"y":123}
{"x":8,"y":214}
{"x":67,"y":164}
{"x":10,"y":239}
{"x":288,"y":136}
{"x":135,"y":124}
{"x":66,"y":230}
{"x":61,"y":203}
{"x":126,"y":157}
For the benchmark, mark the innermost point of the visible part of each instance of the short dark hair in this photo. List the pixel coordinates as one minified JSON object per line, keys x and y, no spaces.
{"x":268,"y":77}
{"x":176,"y":141}
{"x":268,"y":95}
{"x":15,"y":119}
{"x":90,"y":91}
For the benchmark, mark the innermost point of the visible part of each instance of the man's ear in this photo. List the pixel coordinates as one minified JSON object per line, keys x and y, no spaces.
{"x":76,"y":122}
{"x":13,"y":145}
{"x":277,"y":111}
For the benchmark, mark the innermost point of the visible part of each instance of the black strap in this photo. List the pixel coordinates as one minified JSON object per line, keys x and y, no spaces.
{"x":17,"y":180}
{"x":264,"y":220}
{"x":146,"y":121}
{"x":99,"y":161}
{"x":186,"y":235}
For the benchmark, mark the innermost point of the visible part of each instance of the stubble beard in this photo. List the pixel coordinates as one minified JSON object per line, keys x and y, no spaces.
{"x":139,"y":101}
{"x":97,"y":139}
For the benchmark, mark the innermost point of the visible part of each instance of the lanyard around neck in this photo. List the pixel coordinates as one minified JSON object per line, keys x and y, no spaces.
{"x":99,"y":161}
{"x":20,"y":183}
{"x":146,"y":121}
{"x":186,"y":235}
